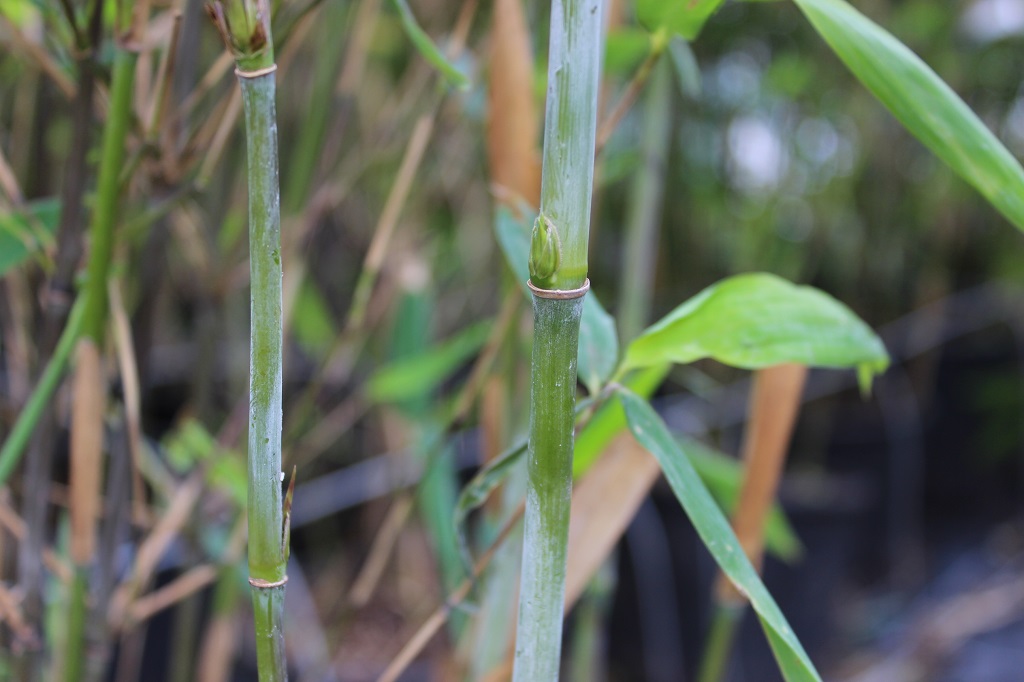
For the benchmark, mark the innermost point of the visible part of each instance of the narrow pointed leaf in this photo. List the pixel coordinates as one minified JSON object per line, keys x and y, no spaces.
{"x":922,"y":102}
{"x":418,"y":375}
{"x":598,"y":347}
{"x":714,"y":530}
{"x":24,"y":233}
{"x":476,"y":492}
{"x":428,"y":49}
{"x":723,"y":476}
{"x":759,"y":320}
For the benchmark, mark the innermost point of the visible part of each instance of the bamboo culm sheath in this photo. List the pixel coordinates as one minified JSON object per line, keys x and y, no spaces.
{"x":268,"y":552}
{"x":548,"y":498}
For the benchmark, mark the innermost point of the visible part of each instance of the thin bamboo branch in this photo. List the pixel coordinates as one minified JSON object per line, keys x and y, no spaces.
{"x":436,"y":621}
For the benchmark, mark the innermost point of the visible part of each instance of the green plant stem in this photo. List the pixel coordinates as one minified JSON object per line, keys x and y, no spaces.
{"x":549,"y":491}
{"x":20,"y":435}
{"x":645,"y":206}
{"x":268,"y":553}
{"x":74,"y":653}
{"x":558,"y":261}
{"x":101,"y":228}
{"x":724,"y":622}
{"x":570,"y":126}
{"x":306,"y":160}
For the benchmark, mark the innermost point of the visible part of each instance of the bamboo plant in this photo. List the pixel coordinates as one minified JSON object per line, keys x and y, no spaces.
{"x":89,"y":386}
{"x":245,"y":28}
{"x":558,"y":282}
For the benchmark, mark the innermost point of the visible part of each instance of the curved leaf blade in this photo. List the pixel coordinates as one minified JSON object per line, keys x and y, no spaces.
{"x":714,"y":530}
{"x":24,"y":233}
{"x":758,"y":320}
{"x":723,"y":476}
{"x":428,"y":49}
{"x":417,"y":376}
{"x":922,"y":102}
{"x":598,"y":345}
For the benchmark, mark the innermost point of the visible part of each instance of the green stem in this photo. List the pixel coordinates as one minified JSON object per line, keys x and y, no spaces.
{"x":74,"y":656}
{"x":724,"y":622}
{"x":101,"y":229}
{"x":307,"y":157}
{"x":268,"y":554}
{"x":558,"y":261}
{"x":570,"y":127}
{"x":19,"y":437}
{"x":645,"y":206}
{"x":549,"y":492}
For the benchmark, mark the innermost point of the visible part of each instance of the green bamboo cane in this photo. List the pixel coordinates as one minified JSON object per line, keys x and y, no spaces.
{"x":558,"y":273}
{"x":95,"y":305}
{"x":245,"y":27}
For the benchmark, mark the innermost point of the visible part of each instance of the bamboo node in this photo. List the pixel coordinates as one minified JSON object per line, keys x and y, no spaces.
{"x":257,"y":73}
{"x":261,"y":584}
{"x":560,"y":294}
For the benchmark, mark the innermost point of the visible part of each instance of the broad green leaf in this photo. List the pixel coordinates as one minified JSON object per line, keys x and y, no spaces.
{"x":714,"y":530}
{"x":723,"y":475}
{"x":922,"y":102}
{"x":759,"y":320}
{"x":624,"y":49}
{"x":428,"y":49}
{"x":24,"y":233}
{"x":418,"y":375}
{"x":599,"y":343}
{"x":685,"y":17}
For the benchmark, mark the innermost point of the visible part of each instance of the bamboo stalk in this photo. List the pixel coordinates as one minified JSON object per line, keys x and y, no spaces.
{"x":645,"y":203}
{"x":245,"y":27}
{"x":558,"y":274}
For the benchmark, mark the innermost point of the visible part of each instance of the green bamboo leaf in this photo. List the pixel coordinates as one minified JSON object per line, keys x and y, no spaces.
{"x":625,"y":48}
{"x":24,"y":233}
{"x":723,"y":476}
{"x":598,"y":347}
{"x":922,"y":102}
{"x":685,"y":17}
{"x":512,"y":229}
{"x":416,"y":376}
{"x":714,"y":530}
{"x":476,"y":492}
{"x":759,"y":320}
{"x":599,"y":341}
{"x":428,"y":49}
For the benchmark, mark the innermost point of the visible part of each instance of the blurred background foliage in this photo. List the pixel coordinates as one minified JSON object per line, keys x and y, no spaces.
{"x":776,"y":160}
